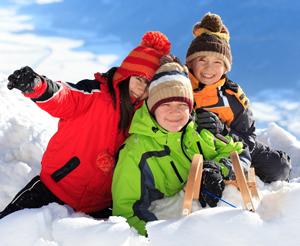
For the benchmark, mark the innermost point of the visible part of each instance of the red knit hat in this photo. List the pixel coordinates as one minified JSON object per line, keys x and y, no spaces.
{"x":144,"y":60}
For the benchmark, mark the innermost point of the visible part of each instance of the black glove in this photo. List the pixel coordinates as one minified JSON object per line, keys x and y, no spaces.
{"x":208,"y":120}
{"x":212,"y":184}
{"x":24,"y":79}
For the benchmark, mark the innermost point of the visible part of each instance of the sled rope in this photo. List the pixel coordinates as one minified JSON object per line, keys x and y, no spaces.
{"x":219,"y":198}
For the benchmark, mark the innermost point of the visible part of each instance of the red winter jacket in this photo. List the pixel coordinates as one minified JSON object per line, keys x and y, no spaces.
{"x":78,"y":163}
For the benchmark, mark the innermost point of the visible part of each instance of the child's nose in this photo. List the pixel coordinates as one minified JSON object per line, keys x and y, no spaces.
{"x":175,"y":109}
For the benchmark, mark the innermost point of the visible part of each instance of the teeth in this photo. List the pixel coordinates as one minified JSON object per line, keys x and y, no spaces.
{"x":208,"y":76}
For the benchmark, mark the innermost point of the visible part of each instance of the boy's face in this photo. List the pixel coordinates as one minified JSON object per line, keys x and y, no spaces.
{"x":138,"y":87}
{"x":208,"y":69}
{"x":172,"y":116}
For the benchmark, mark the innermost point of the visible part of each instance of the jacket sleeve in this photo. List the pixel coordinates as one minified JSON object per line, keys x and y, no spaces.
{"x":243,"y":128}
{"x":215,"y":149}
{"x":243,"y":125}
{"x":64,"y":100}
{"x":126,"y":191}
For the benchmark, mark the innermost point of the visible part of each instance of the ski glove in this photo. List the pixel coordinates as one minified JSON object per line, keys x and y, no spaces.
{"x":208,"y":120}
{"x":24,"y":79}
{"x":212,"y":184}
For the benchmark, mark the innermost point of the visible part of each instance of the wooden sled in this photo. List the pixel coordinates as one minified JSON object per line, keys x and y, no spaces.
{"x":192,"y":188}
{"x":247,"y":186}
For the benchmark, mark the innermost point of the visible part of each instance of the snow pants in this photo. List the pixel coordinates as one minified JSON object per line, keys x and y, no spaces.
{"x":269,"y":164}
{"x":35,"y":195}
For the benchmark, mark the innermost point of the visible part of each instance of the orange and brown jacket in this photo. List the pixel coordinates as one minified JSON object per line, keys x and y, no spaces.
{"x":226,"y":99}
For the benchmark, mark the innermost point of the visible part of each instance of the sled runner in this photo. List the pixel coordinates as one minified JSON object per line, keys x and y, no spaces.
{"x":247,"y":186}
{"x":192,"y":188}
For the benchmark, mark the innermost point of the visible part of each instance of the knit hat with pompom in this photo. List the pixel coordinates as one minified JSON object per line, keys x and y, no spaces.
{"x":144,"y":60}
{"x":211,"y":38}
{"x":170,"y":83}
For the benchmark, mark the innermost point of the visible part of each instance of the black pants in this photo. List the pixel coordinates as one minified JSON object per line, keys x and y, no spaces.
{"x":35,"y":195}
{"x":270,"y":165}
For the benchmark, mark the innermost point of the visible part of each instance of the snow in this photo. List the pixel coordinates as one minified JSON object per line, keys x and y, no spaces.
{"x":25,"y":131}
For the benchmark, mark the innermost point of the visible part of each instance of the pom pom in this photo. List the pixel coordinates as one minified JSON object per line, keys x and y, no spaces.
{"x":172,"y":66}
{"x":157,"y":41}
{"x":169,"y":58}
{"x":211,"y":22}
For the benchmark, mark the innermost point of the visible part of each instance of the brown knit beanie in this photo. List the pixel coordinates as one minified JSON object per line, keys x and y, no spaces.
{"x":211,"y":38}
{"x":170,"y":83}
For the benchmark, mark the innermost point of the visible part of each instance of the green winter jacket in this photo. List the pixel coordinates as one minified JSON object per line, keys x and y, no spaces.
{"x":155,"y":163}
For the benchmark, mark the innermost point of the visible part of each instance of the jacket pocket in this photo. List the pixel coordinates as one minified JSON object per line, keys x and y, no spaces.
{"x":65,"y":169}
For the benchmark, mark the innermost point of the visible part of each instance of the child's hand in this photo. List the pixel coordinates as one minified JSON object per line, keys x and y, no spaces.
{"x":208,"y":120}
{"x":212,"y":184}
{"x":24,"y":79}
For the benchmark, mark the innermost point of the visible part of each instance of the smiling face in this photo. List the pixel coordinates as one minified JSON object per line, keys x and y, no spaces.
{"x":138,"y":87}
{"x":172,"y":116}
{"x":208,"y":69}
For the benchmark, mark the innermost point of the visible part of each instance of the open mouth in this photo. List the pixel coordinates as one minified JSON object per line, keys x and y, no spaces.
{"x":207,"y":76}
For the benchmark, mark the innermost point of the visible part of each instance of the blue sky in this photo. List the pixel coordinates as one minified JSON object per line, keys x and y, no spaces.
{"x":264,"y":40}
{"x":264,"y":34}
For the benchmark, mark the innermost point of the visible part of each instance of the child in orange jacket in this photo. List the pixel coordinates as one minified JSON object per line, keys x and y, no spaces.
{"x":221,"y":105}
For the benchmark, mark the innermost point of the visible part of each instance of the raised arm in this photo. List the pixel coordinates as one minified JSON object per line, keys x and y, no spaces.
{"x":61,"y":100}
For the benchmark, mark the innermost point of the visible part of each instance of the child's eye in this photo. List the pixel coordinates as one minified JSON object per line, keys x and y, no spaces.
{"x":201,"y":59}
{"x":143,"y":81}
{"x":183,"y":106}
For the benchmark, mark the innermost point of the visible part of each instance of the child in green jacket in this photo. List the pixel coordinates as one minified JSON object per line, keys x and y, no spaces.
{"x":155,"y":160}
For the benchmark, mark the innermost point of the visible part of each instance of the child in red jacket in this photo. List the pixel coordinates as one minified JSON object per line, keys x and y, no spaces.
{"x":78,"y":163}
{"x":221,"y":105}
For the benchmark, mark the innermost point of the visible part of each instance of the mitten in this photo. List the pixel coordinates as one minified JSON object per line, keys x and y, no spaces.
{"x":212,"y":184}
{"x":25,"y":80}
{"x":208,"y":120}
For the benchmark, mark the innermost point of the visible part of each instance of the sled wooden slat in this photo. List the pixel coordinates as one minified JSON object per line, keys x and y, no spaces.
{"x":192,"y":187}
{"x":247,"y":186}
{"x":252,"y":183}
{"x":242,"y":182}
